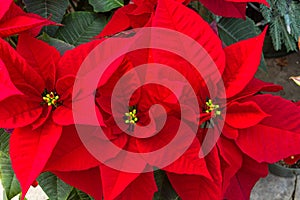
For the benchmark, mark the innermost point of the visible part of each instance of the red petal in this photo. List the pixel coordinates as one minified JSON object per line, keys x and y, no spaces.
{"x":5,"y":4}
{"x":194,"y":187}
{"x":231,"y":159}
{"x":64,"y":87}
{"x":43,"y":117}
{"x":22,"y":23}
{"x":190,"y":163}
{"x":35,"y":183}
{"x":291,"y":160}
{"x":18,"y":111}
{"x":7,"y":88}
{"x":242,"y":63}
{"x":177,"y":17}
{"x":247,"y":1}
{"x":285,"y":114}
{"x":244,"y":115}
{"x":63,"y":116}
{"x":68,"y":65}
{"x":30,"y":151}
{"x":254,"y":87}
{"x":213,"y":162}
{"x":70,"y":154}
{"x":143,"y":187}
{"x":119,"y":21}
{"x":174,"y":151}
{"x":16,"y":21}
{"x":88,"y":181}
{"x":226,"y":8}
{"x":42,"y":57}
{"x":268,"y":144}
{"x":25,"y":78}
{"x":115,"y":182}
{"x":230,"y":132}
{"x":13,"y":11}
{"x":242,"y":183}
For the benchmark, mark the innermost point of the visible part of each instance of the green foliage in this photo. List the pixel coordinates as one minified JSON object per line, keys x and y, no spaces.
{"x":284,"y":18}
{"x":60,"y":45}
{"x":45,"y":8}
{"x":202,"y":11}
{"x":165,"y":189}
{"x":232,"y":30}
{"x":4,"y":141}
{"x":8,"y":178}
{"x":80,"y":27}
{"x":78,"y":195}
{"x":106,"y":5}
{"x":55,"y":188}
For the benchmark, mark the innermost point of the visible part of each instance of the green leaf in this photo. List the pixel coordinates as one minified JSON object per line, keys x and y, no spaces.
{"x":106,"y":5}
{"x":78,"y":195}
{"x":9,"y":181}
{"x":81,"y":27}
{"x":4,"y":141}
{"x":60,"y":45}
{"x":45,"y":8}
{"x":4,"y":197}
{"x":55,"y":188}
{"x":232,"y":30}
{"x":165,"y":190}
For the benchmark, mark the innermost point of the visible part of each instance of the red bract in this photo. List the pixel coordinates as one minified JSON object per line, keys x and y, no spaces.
{"x":14,"y":20}
{"x":291,"y":160}
{"x":134,"y":15}
{"x":229,"y":8}
{"x":36,"y":102}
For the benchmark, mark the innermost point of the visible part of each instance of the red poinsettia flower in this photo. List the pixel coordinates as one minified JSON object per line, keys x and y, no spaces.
{"x":203,"y":174}
{"x":14,"y":20}
{"x":36,"y":101}
{"x":259,"y":128}
{"x":229,"y":8}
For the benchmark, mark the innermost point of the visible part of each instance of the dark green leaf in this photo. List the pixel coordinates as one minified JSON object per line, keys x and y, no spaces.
{"x":232,"y":30}
{"x":55,"y":188}
{"x":9,"y":181}
{"x":165,"y":190}
{"x":48,"y":8}
{"x":81,"y":27}
{"x":60,"y":45}
{"x":106,"y":5}
{"x":78,"y":195}
{"x":4,"y":141}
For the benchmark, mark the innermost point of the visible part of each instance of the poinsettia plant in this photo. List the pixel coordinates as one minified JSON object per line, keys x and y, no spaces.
{"x":50,"y":129}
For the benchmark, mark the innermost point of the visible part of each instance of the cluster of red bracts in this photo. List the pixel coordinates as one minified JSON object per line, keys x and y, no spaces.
{"x":36,"y":101}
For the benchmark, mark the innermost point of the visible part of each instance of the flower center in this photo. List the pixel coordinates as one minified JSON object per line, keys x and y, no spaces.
{"x":212,"y":108}
{"x":130,"y":118}
{"x":50,"y":98}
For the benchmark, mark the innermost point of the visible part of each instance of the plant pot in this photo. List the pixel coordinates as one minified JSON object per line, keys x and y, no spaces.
{"x":282,"y":171}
